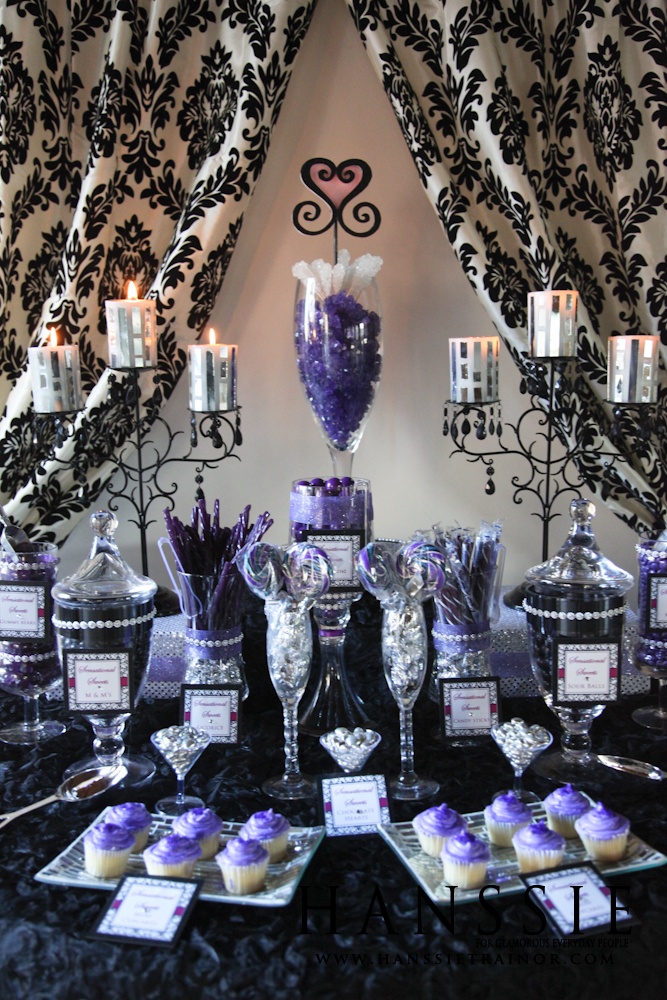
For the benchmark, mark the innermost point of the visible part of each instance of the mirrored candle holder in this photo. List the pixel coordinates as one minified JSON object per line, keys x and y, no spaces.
{"x":350,"y":748}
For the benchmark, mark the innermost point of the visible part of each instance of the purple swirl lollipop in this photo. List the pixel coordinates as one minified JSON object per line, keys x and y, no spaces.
{"x":261,"y":566}
{"x":376,"y":569}
{"x":421,"y":568}
{"x":307,"y":571}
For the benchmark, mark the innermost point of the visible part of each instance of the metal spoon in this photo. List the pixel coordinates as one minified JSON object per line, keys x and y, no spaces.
{"x":629,"y":766}
{"x":85,"y":785}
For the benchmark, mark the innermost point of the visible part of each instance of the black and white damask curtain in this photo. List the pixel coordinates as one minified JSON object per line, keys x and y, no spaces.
{"x":539,"y":131}
{"x":132,"y":135}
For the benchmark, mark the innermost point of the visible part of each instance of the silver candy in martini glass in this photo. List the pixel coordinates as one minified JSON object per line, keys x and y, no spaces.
{"x":181,"y":747}
{"x":521,"y":744}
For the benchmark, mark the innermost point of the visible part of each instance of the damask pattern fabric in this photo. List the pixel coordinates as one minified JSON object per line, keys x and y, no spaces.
{"x":539,"y":132}
{"x":133,"y":133}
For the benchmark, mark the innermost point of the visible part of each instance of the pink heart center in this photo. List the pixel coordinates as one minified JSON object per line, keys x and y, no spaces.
{"x":335,"y":190}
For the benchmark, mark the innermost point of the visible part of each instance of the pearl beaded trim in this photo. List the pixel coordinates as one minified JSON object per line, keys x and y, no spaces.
{"x":211,"y":643}
{"x":119,"y":623}
{"x":29,"y":657}
{"x":572,"y":616}
{"x":475,"y":637}
{"x":651,"y":643}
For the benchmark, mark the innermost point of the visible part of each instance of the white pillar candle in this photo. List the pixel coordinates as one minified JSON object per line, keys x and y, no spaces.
{"x":632,"y":369}
{"x":55,"y":377}
{"x":212,"y":370}
{"x":131,"y":331}
{"x":474,"y":369}
{"x":552,"y":329}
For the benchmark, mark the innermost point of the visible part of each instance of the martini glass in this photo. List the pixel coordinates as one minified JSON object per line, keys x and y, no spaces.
{"x":350,"y":748}
{"x":521,"y":745}
{"x":181,"y":747}
{"x":404,"y":657}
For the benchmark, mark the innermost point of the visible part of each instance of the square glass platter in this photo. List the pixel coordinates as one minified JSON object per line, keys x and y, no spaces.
{"x":503,"y":867}
{"x":282,"y":878}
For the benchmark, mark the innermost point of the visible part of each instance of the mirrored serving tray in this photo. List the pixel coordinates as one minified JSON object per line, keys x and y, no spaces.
{"x":503,"y":869}
{"x":282,"y":879}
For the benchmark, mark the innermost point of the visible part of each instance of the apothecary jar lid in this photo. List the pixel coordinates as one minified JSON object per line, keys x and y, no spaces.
{"x":104,"y":577}
{"x":579,"y":561}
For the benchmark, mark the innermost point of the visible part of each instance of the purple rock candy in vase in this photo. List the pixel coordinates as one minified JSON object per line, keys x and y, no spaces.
{"x":337,"y":335}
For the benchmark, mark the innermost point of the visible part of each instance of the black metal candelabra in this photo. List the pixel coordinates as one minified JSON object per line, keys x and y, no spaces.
{"x":141,"y":476}
{"x":554,"y":465}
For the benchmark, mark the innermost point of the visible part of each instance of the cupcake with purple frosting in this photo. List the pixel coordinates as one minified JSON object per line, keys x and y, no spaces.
{"x":135,"y":817}
{"x":563,"y":807}
{"x":243,"y":864}
{"x":604,"y":833}
{"x":200,"y":824}
{"x":504,"y":817}
{"x":538,"y":847}
{"x":172,"y":856}
{"x":106,"y":848}
{"x":271,"y":830}
{"x":435,"y":825}
{"x":464,"y":859}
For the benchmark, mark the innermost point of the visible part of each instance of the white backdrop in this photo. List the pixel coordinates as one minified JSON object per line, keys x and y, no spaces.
{"x":335,"y":108}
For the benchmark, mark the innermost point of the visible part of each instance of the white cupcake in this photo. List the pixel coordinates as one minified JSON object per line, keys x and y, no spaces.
{"x":106,"y":849}
{"x":243,"y":864}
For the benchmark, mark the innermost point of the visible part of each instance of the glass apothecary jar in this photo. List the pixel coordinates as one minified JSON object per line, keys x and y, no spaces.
{"x":575,"y":613}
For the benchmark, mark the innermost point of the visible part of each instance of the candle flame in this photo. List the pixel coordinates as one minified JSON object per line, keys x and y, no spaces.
{"x":132,"y":290}
{"x":211,"y":336}
{"x":53,"y":336}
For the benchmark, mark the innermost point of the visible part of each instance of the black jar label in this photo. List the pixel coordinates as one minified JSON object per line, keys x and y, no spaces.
{"x":656,"y":605}
{"x":98,"y":680}
{"x":586,"y":672}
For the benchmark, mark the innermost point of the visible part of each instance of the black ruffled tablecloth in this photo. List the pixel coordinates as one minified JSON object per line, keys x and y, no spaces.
{"x":381,"y":946}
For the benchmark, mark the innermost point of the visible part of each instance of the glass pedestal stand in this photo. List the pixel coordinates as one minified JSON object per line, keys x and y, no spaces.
{"x":109,"y":750}
{"x":654,"y":716}
{"x":33,"y":729}
{"x":575,"y":761}
{"x":334,"y":704}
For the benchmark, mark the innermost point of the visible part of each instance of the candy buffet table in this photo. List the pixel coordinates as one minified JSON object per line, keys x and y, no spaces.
{"x":375,"y":944}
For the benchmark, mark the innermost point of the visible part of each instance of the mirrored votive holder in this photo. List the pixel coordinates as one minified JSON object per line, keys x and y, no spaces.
{"x":552,"y":328}
{"x":632,"y":369}
{"x":474,"y":369}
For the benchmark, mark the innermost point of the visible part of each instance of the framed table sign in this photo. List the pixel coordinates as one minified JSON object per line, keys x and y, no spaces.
{"x":468,"y":707}
{"x":25,"y":611}
{"x":342,"y":546}
{"x":353,"y":803}
{"x":146,"y":909}
{"x":586,"y":672}
{"x":575,"y":899}
{"x":214,"y":708}
{"x":98,"y":680}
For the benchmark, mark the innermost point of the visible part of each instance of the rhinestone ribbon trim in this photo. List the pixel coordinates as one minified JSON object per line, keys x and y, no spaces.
{"x":119,"y":623}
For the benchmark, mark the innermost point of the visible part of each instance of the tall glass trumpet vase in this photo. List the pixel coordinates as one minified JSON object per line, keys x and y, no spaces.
{"x":336,"y":515}
{"x":338,"y":341}
{"x":289,"y":647}
{"x":404,"y":657}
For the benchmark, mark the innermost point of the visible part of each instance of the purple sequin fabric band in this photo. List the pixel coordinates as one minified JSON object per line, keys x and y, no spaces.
{"x":320,"y":513}
{"x":219,"y":645}
{"x":448,"y":638}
